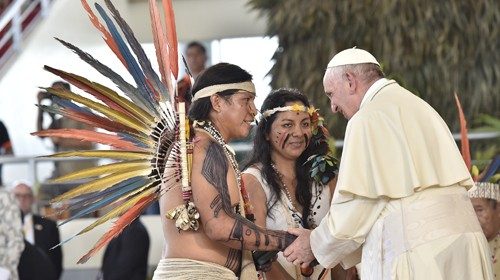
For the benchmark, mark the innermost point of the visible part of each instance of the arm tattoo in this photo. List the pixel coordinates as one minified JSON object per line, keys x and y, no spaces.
{"x":249,"y":235}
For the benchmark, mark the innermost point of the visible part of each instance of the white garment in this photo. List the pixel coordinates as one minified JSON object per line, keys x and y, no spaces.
{"x":282,"y":215}
{"x":187,"y":269}
{"x":400,"y":204}
{"x":11,"y":237}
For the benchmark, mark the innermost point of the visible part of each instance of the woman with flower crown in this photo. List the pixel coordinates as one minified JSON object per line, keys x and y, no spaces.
{"x":290,"y":176}
{"x":219,"y":245}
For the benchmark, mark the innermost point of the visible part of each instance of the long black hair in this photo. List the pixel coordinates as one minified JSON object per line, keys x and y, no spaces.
{"x":221,"y":73}
{"x":262,"y":154}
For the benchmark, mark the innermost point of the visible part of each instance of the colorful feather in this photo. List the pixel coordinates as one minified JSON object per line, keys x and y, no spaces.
{"x":120,"y":224}
{"x":101,"y":170}
{"x":110,"y":113}
{"x":172,"y":36}
{"x":132,"y":65}
{"x":89,"y":136}
{"x":162,"y":49}
{"x":119,"y":191}
{"x":463,"y":135}
{"x":104,"y":154}
{"x":105,"y":34}
{"x":128,"y":89}
{"x":152,"y":78}
{"x":140,"y":121}
{"x":91,"y":120}
{"x":102,"y":183}
{"x":105,"y":94}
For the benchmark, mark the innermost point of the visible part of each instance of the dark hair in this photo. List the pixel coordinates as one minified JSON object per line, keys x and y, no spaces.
{"x":218,"y":74}
{"x":61,"y":84}
{"x":196,"y":44}
{"x":262,"y":154}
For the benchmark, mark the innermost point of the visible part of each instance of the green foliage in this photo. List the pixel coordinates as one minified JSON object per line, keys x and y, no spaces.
{"x":435,"y":47}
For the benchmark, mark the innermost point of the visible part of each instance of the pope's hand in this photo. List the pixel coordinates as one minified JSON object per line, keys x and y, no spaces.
{"x":299,"y":252}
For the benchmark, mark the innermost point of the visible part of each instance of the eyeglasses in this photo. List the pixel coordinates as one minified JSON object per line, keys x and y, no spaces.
{"x":23,"y":195}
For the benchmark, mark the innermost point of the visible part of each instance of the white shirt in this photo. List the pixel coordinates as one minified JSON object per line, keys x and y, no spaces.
{"x":28,"y":228}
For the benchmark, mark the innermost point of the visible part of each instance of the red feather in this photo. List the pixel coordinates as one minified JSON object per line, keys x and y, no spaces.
{"x":89,"y":136}
{"x":172,"y":36}
{"x":125,"y":220}
{"x":464,"y":140}
{"x":105,"y":34}
{"x":97,"y":121}
{"x":161,"y":46}
{"x":89,"y":87}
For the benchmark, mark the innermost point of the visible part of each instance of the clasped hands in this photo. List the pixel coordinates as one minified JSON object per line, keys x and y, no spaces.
{"x":298,"y":253}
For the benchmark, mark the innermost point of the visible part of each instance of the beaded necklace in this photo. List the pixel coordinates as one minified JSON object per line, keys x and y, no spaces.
{"x":230,"y":154}
{"x":284,"y":187}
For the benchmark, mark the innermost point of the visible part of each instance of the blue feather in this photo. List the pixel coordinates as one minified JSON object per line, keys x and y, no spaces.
{"x":132,"y":65}
{"x":133,"y":139}
{"x":128,"y":89}
{"x":139,"y":51}
{"x":69,"y":104}
{"x":118,"y":190}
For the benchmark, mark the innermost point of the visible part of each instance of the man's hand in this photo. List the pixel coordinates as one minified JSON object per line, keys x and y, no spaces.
{"x":299,"y":252}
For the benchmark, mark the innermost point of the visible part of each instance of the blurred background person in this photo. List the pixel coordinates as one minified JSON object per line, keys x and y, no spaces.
{"x":126,"y":256}
{"x":11,"y":236}
{"x":34,"y":264}
{"x":196,"y":59}
{"x":485,"y":197}
{"x":38,"y":231}
{"x":5,"y":145}
{"x":62,"y":144}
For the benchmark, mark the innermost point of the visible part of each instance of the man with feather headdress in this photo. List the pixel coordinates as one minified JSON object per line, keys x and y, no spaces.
{"x":206,"y":212}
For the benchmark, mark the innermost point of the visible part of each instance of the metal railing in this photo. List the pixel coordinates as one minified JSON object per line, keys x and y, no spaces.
{"x":32,"y":161}
{"x":16,"y":21}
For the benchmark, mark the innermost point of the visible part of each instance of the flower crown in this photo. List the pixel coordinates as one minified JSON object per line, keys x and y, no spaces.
{"x":296,"y":107}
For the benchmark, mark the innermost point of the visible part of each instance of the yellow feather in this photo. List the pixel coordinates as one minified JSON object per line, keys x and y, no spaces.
{"x":120,"y":209}
{"x":112,"y":114}
{"x":102,"y":170}
{"x":125,"y":103}
{"x":103,"y":183}
{"x":105,"y":154}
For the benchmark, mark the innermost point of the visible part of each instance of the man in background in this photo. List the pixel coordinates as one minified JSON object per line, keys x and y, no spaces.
{"x":196,"y":58}
{"x":485,"y":198}
{"x":62,"y":144}
{"x":41,"y":232}
{"x":126,"y":256}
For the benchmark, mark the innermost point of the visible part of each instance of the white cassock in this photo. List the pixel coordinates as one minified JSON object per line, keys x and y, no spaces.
{"x":401,"y":205}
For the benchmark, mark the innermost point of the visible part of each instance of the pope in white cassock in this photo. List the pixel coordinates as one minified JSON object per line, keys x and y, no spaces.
{"x":400,"y":206}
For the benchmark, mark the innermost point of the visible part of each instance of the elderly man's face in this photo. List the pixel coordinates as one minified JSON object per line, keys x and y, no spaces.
{"x":24,"y":197}
{"x":488,"y":216}
{"x":342,"y":97}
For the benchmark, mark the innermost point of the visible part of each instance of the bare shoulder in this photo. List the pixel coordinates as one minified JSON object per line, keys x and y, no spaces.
{"x":201,"y":143}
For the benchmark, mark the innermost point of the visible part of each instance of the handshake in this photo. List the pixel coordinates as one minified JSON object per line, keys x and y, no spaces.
{"x":264,"y":259}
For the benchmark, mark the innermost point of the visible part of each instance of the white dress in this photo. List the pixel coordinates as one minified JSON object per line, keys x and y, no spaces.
{"x":283,"y":216}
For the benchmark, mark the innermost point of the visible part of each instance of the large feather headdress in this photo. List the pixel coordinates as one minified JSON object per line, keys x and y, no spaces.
{"x":142,"y":123}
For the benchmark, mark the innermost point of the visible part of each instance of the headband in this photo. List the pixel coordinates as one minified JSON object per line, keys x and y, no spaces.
{"x":296,"y":107}
{"x":211,"y":90}
{"x":485,"y":190}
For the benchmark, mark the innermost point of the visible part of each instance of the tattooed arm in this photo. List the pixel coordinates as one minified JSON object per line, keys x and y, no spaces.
{"x":215,"y":194}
